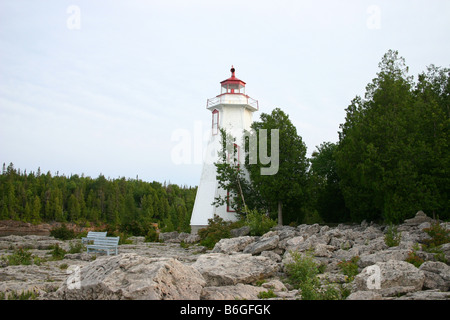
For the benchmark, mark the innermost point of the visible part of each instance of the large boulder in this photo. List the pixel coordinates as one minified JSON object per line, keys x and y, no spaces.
{"x":32,"y":242}
{"x":130,"y":276}
{"x":437,"y":275}
{"x":390,"y":278}
{"x":419,"y":218}
{"x":263,"y":244}
{"x":231,"y":245}
{"x":240,"y":291}
{"x":240,"y":232}
{"x":383,"y":256}
{"x":220,"y":269}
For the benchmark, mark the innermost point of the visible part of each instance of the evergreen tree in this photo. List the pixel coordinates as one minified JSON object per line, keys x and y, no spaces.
{"x":325,"y":187}
{"x":388,"y":159}
{"x":286,"y":190}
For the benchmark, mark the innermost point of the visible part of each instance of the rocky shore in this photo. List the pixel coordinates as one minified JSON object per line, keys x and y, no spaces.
{"x":242,"y":267}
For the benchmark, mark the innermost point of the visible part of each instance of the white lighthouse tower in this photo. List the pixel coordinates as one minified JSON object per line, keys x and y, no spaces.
{"x":232,"y":110}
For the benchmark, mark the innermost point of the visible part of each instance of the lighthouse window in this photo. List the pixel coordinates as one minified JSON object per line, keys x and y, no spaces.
{"x":233,"y":88}
{"x":215,"y":122}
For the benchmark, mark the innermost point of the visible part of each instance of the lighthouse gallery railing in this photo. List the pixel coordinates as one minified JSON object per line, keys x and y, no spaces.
{"x":243,"y":99}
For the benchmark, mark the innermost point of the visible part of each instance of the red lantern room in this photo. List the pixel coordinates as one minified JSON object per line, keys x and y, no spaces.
{"x":232,"y":84}
{"x":232,"y":92}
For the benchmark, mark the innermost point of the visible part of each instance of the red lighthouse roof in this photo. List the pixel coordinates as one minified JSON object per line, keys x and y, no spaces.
{"x":232,"y":85}
{"x":233,"y":78}
{"x":232,"y":92}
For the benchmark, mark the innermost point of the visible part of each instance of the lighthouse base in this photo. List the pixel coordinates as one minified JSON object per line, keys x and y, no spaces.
{"x":194,"y":229}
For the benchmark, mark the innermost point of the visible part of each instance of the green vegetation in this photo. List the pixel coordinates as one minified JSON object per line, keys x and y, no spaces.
{"x":63,"y":233}
{"x":438,"y":234}
{"x":393,"y":148}
{"x":152,"y":235}
{"x":24,"y":295}
{"x":349,"y":268}
{"x":413,"y":258}
{"x":58,"y":253}
{"x":20,"y":256}
{"x":258,"y":223}
{"x":302,"y":273}
{"x":390,"y":161}
{"x":284,"y":193}
{"x":217,"y":229}
{"x":266,"y":294}
{"x":392,"y":237}
{"x":129,"y":206}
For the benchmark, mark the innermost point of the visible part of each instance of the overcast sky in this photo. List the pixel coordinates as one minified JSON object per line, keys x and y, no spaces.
{"x":119,"y":87}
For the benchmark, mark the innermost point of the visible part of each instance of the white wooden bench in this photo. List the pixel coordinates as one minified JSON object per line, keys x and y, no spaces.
{"x":106,"y":244}
{"x":93,"y":235}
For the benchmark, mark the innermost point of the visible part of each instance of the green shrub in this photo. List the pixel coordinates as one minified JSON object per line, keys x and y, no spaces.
{"x":152,"y":235}
{"x":392,"y":237}
{"x":349,"y":268}
{"x":63,"y":233}
{"x":258,"y":223}
{"x":76,"y":248}
{"x":438,"y":234}
{"x":19,"y":257}
{"x":414,"y":259}
{"x":217,"y":229}
{"x":58,"y":253}
{"x":302,"y":270}
{"x":266,"y":294}
{"x":302,"y":274}
{"x":24,"y":295}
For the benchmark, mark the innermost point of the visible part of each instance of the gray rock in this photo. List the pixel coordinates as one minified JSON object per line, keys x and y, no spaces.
{"x":323,"y":250}
{"x":121,"y":278}
{"x":192,"y":238}
{"x":168,"y":236}
{"x":383,"y":256}
{"x":445,"y":248}
{"x":426,"y":295}
{"x":263,"y":244}
{"x":420,"y":218}
{"x":271,"y":255}
{"x":308,"y":230}
{"x":240,"y":232}
{"x":220,"y":269}
{"x":232,"y":244}
{"x":437,"y":275}
{"x":390,"y":278}
{"x":291,"y":243}
{"x":237,"y":292}
{"x":364,"y":295}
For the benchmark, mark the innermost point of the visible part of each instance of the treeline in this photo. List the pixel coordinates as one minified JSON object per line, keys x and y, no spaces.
{"x":127,"y":204}
{"x":392,"y":158}
{"x":393,"y":154}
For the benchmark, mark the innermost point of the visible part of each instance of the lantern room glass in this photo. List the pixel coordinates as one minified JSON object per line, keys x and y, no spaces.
{"x":232,"y":88}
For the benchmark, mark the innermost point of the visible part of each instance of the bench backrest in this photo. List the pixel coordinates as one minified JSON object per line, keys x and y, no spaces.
{"x":107,"y":241}
{"x":93,"y":234}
